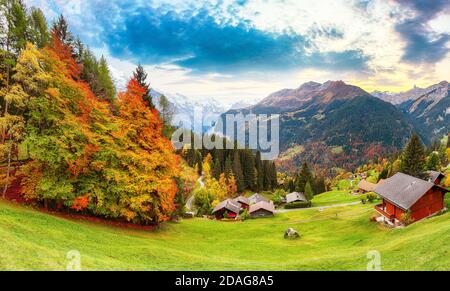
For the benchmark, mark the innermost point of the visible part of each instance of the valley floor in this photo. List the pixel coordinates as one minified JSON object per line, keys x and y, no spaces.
{"x":333,"y":239}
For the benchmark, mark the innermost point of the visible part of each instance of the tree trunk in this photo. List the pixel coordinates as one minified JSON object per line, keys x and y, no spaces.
{"x":8,"y":170}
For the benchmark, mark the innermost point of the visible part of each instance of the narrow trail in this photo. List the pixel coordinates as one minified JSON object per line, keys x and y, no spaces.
{"x":190,"y":201}
{"x":320,"y":207}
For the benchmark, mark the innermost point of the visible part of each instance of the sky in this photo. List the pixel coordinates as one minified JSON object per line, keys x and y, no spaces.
{"x":243,"y":50}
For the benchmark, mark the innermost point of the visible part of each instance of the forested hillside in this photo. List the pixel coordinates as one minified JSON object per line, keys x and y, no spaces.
{"x":82,"y":147}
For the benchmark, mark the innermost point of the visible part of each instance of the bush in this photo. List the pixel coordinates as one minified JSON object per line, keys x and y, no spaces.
{"x":407,"y":219}
{"x":245,"y":215}
{"x":298,"y":205}
{"x":371,"y":197}
{"x":364,"y":199}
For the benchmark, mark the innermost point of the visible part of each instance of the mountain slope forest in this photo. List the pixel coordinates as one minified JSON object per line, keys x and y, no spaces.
{"x":83,"y":147}
{"x":334,"y":125}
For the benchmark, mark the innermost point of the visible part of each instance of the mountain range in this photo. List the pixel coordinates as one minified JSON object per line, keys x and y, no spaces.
{"x":339,"y":125}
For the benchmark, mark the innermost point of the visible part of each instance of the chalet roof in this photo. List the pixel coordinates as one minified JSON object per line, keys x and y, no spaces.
{"x":366,"y":186}
{"x":256,"y":198}
{"x":404,"y":190}
{"x":262,"y":205}
{"x":296,"y":196}
{"x":433,"y":176}
{"x":229,"y":205}
{"x":242,"y":200}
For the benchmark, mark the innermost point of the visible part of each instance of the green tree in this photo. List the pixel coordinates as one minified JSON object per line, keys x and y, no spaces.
{"x":433,"y":162}
{"x":39,"y":34}
{"x":259,"y":172}
{"x":413,"y":158}
{"x":60,"y":29}
{"x":303,"y":178}
{"x":106,"y":88}
{"x":237,"y":171}
{"x":141,"y":76}
{"x":309,"y":193}
{"x":166,"y":111}
{"x":248,"y":169}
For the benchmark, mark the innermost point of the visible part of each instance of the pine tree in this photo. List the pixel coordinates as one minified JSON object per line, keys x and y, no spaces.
{"x":433,"y":162}
{"x":141,"y":76}
{"x":60,"y":29}
{"x":107,"y":89}
{"x":259,"y":172}
{"x":309,"y":193}
{"x":216,"y":169}
{"x":303,"y":178}
{"x":319,"y":186}
{"x":228,"y":169}
{"x":39,"y":34}
{"x":273,"y":176}
{"x":237,"y":172}
{"x":413,"y":158}
{"x":267,"y":181}
{"x":248,"y":169}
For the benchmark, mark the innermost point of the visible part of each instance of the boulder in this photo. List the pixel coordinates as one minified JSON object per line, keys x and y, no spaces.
{"x":291,"y":234}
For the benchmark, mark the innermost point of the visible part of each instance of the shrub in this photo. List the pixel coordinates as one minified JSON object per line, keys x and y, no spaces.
{"x":407,"y":218}
{"x":245,"y":215}
{"x":364,"y":199}
{"x":298,"y":205}
{"x":371,"y":197}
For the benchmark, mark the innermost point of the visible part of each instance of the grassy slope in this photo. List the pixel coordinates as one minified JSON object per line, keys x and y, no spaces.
{"x":35,"y":241}
{"x":334,"y":197}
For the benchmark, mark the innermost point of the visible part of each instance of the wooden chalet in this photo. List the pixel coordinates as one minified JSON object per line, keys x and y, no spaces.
{"x":244,"y":202}
{"x":366,"y":187}
{"x":256,"y":198}
{"x":296,"y":197}
{"x":403,"y":193}
{"x":435,"y":177}
{"x":262,"y":209}
{"x":229,"y":206}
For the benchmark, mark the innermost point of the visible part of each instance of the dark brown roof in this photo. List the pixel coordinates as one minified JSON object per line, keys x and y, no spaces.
{"x":262,"y":205}
{"x":256,"y":198}
{"x":242,"y":200}
{"x":296,"y":196}
{"x":229,"y":205}
{"x":403,"y":190}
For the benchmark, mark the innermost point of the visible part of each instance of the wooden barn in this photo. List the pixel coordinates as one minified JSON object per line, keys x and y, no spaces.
{"x":262,"y":209}
{"x":296,"y":197}
{"x":365,"y":187}
{"x":435,"y":177}
{"x":256,"y":198}
{"x":230,"y":207}
{"x":244,"y":202}
{"x":402,"y":194}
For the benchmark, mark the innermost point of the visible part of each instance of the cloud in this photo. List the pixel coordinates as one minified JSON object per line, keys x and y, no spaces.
{"x":422,"y":44}
{"x":196,"y":39}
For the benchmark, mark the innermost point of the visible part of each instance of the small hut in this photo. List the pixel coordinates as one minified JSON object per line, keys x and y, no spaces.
{"x":296,"y":197}
{"x":256,"y":198}
{"x":244,"y":202}
{"x":365,"y":187}
{"x":230,"y":207}
{"x":262,"y":209}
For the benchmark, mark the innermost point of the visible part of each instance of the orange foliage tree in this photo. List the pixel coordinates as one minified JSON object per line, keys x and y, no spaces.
{"x":88,"y":158}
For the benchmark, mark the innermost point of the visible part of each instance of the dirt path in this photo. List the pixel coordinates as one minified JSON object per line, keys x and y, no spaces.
{"x":321,"y":207}
{"x":190,"y":201}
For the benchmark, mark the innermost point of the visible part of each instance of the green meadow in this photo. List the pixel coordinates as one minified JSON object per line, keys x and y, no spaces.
{"x":332,"y":239}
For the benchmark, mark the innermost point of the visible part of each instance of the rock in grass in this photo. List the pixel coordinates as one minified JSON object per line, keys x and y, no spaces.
{"x":291,"y":234}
